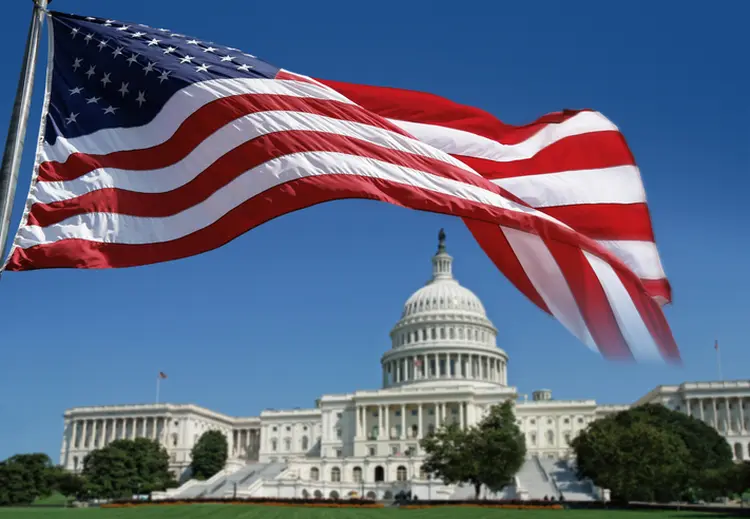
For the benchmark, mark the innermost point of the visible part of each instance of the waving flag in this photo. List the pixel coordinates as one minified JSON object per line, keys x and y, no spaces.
{"x":157,"y":146}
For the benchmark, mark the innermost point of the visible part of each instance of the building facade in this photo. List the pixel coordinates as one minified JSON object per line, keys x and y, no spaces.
{"x":444,"y":366}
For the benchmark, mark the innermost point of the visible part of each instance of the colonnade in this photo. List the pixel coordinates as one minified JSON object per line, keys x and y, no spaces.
{"x":99,"y":432}
{"x":246,"y":442}
{"x":429,"y":366}
{"x":383,"y":415}
{"x":725,"y":414}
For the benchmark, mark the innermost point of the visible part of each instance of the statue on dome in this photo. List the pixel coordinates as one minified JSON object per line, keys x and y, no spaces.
{"x":441,"y":240}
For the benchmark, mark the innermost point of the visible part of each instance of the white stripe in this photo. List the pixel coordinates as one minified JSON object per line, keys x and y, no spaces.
{"x":548,"y":280}
{"x":118,"y":228}
{"x":631,"y":324}
{"x":615,"y":185}
{"x":225,"y":140}
{"x":180,"y":106}
{"x":642,"y":257}
{"x":460,"y":142}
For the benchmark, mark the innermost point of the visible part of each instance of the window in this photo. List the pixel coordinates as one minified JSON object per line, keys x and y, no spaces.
{"x":414,"y":412}
{"x":532,"y":438}
{"x":305,"y":443}
{"x":372,"y":451}
{"x":442,"y":333}
{"x":566,"y":421}
{"x":423,"y":473}
{"x":549,"y":421}
{"x":433,"y":333}
{"x":357,"y":474}
{"x":287,"y":444}
{"x":401,"y":473}
{"x":338,"y":453}
{"x":394,"y":449}
{"x":398,"y":413}
{"x":304,"y":428}
{"x":532,"y":421}
{"x":567,"y":438}
{"x":550,"y":438}
{"x":580,"y":420}
{"x":338,"y":415}
{"x":338,"y":433}
{"x":274,"y":429}
{"x":274,"y":443}
{"x":335,"y":474}
{"x":175,"y":440}
{"x":288,"y":428}
{"x":314,"y":474}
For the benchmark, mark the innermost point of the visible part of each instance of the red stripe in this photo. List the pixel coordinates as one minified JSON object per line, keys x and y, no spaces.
{"x":201,"y":124}
{"x":421,"y":107}
{"x":591,"y":300}
{"x":658,"y":288}
{"x":494,"y":243}
{"x":654,"y":318}
{"x":606,"y":221}
{"x":229,"y":167}
{"x":596,"y":150}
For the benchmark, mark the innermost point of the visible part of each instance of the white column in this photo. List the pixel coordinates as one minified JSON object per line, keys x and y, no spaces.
{"x":461,"y":421}
{"x":742,"y":416}
{"x":403,"y":421}
{"x":419,"y":421}
{"x":438,"y":422}
{"x":387,"y":418}
{"x":703,"y":418}
{"x":716,"y":415}
{"x":85,"y":433}
{"x":357,"y":420}
{"x":75,"y":433}
{"x":381,"y":426}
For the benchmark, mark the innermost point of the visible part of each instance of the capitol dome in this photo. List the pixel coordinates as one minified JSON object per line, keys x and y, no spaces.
{"x":443,"y":335}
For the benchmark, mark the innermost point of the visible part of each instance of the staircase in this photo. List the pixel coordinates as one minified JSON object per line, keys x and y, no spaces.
{"x":222,"y":484}
{"x":564,"y":475}
{"x":535,"y":480}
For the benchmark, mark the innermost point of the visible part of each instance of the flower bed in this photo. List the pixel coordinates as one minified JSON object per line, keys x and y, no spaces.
{"x":325,"y":503}
{"x":517,"y":505}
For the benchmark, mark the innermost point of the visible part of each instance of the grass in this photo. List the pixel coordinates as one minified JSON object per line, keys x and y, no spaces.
{"x":270,"y":512}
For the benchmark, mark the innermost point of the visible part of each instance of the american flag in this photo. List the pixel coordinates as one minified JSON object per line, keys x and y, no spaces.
{"x":157,"y":146}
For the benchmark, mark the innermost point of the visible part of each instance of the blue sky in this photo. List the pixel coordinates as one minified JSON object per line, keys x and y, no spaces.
{"x":303,"y":305}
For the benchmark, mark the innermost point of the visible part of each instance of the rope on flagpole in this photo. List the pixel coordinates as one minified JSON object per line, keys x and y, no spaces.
{"x":19,"y":119}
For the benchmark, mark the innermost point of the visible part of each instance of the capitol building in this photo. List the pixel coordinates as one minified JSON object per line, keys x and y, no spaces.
{"x":444,"y":367}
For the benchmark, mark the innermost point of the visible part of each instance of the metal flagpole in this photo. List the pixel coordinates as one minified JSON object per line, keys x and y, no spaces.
{"x":18,"y":121}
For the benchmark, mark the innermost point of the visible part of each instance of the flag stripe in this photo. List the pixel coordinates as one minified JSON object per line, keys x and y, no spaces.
{"x":606,"y":221}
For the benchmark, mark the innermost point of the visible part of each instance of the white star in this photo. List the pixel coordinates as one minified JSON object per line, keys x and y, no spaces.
{"x":74,"y":32}
{"x":91,"y":71}
{"x":93,"y":100}
{"x":90,"y":18}
{"x":227,"y":58}
{"x":202,"y":68}
{"x":209,"y":49}
{"x":244,"y":68}
{"x":141,"y":98}
{"x":71,"y":119}
{"x":105,"y":80}
{"x":76,"y":90}
{"x":193,"y":42}
{"x":117,"y":52}
{"x":187,"y":59}
{"x":133,"y":59}
{"x":88,"y":38}
{"x":111,"y":110}
{"x":124,"y":89}
{"x":164,"y":76}
{"x":123,"y":28}
{"x":153,"y":42}
{"x":77,"y":63}
{"x":102,"y":44}
{"x":137,"y":34}
{"x":169,"y":50}
{"x":149,"y":68}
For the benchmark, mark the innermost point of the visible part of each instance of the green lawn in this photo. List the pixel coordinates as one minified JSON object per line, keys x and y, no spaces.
{"x":270,"y":512}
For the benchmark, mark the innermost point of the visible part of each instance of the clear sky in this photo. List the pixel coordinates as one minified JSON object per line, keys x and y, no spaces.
{"x":303,"y":305}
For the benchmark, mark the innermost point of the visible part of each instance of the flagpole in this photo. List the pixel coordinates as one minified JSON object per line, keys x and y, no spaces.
{"x":18,"y":122}
{"x":158,"y":385}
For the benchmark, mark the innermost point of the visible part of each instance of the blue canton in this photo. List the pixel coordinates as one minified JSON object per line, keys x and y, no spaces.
{"x":110,"y":74}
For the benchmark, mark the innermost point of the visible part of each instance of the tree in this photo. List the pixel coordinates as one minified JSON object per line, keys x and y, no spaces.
{"x":71,"y":485}
{"x":126,"y":467}
{"x":38,"y":466}
{"x":489,"y":453}
{"x":209,"y":454}
{"x":650,"y":453}
{"x":16,"y":484}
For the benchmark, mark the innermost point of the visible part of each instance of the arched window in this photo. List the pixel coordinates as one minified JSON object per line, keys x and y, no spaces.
{"x":433,"y":333}
{"x":305,"y":494}
{"x":442,"y":333}
{"x":357,"y":474}
{"x":372,"y":495}
{"x":550,"y":438}
{"x":333,"y":494}
{"x":532,"y":438}
{"x":442,"y":303}
{"x":452,"y":333}
{"x":379,"y":473}
{"x":318,"y":494}
{"x":401,"y":473}
{"x":461,"y":333}
{"x":416,"y":336}
{"x":314,"y":474}
{"x":335,"y":474}
{"x":305,"y":443}
{"x":287,"y":444}
{"x":387,"y":495}
{"x":175,"y":440}
{"x":274,"y":444}
{"x":424,"y":334}
{"x":567,"y":438}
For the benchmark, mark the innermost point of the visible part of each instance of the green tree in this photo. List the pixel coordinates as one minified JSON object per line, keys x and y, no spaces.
{"x":650,"y":453}
{"x":70,"y":485}
{"x":209,"y":454}
{"x":489,"y":453}
{"x":16,"y":484}
{"x":38,"y":466}
{"x":126,"y":467}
